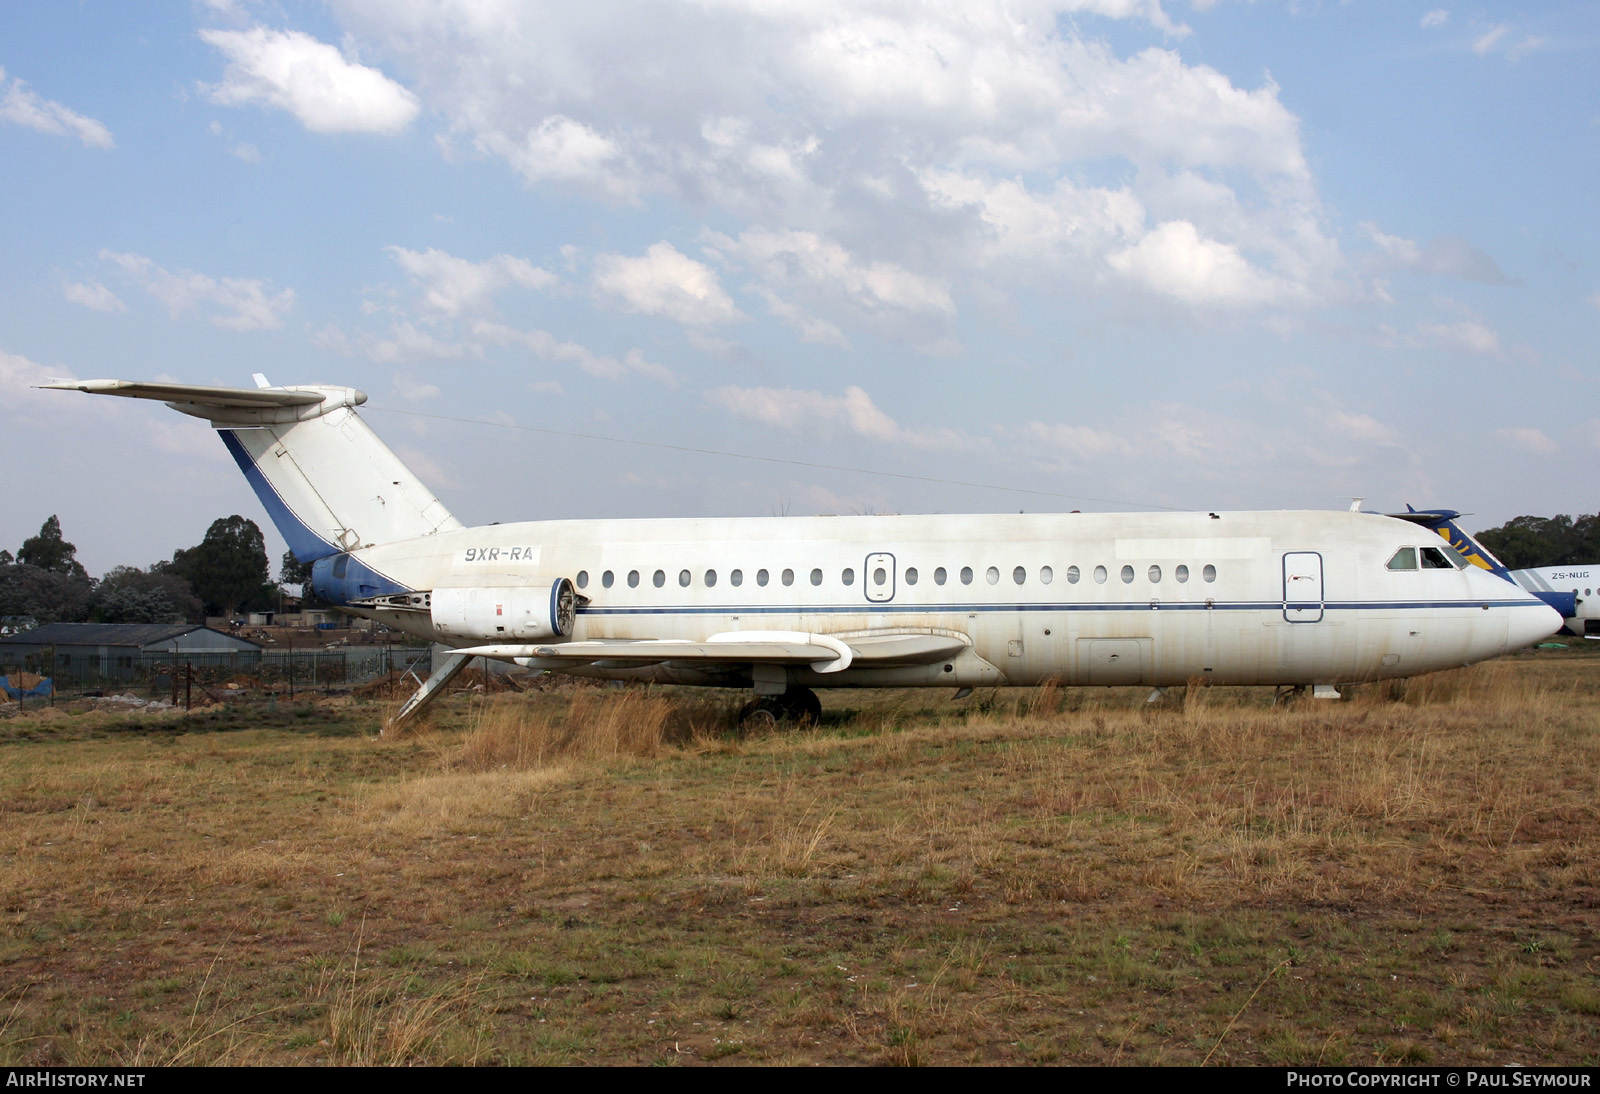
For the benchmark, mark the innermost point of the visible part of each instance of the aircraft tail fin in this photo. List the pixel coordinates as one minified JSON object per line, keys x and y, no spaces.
{"x":1443,"y":521}
{"x":327,"y":481}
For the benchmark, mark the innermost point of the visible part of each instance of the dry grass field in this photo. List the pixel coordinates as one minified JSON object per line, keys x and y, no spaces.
{"x":591,"y":875}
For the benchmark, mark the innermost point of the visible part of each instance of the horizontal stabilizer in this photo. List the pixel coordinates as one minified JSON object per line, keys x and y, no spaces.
{"x":193,"y":394}
{"x":326,"y":480}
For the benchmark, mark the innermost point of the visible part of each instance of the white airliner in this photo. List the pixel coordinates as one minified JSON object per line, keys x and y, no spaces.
{"x":782,"y":605}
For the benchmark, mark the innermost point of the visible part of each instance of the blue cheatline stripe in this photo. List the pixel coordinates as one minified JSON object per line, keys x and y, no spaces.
{"x":306,"y":544}
{"x":954,"y":609}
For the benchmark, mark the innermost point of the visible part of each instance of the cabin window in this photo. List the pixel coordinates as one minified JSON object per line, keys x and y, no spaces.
{"x":879,"y":577}
{"x":966,"y":575}
{"x":911,"y":575}
{"x":583,"y":579}
{"x":788,"y":577}
{"x":659,"y":579}
{"x":1100,"y":575}
{"x":849,"y":576}
{"x":1127,"y":575}
{"x":1046,"y":574}
{"x":1209,"y":573}
{"x":608,"y":579}
{"x":1181,"y":573}
{"x":992,"y":575}
{"x":1019,"y":575}
{"x":736,"y":578}
{"x":1072,"y":575}
{"x":761,"y":578}
{"x":1155,"y":575}
{"x":711,"y":578}
{"x":633,"y":579}
{"x":683,"y":578}
{"x":816,"y":577}
{"x":939,"y":576}
{"x":1404,"y":559}
{"x":1433,"y":559}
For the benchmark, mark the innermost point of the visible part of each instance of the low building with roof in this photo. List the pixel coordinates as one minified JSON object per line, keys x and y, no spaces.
{"x":89,"y":651}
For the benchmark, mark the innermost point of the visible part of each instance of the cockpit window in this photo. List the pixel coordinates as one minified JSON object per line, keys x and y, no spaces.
{"x":1433,"y":559}
{"x":1404,"y":559}
{"x":1457,"y":559}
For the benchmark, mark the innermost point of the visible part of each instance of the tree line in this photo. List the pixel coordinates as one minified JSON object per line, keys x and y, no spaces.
{"x":225,"y":573}
{"x":1527,"y":542}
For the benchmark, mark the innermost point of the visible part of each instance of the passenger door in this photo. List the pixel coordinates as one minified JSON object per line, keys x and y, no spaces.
{"x":1302,"y":587}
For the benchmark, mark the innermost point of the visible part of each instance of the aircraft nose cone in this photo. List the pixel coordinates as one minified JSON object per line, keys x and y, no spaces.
{"x":1531,"y":623}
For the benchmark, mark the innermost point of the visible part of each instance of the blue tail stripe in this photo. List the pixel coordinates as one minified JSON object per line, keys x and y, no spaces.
{"x":306,"y":544}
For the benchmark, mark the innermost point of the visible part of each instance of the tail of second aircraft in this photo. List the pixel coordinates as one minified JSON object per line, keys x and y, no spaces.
{"x":1443,"y":521}
{"x":327,"y":481}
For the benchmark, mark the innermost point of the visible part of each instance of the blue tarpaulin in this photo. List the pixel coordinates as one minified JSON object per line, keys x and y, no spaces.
{"x":17,"y":691}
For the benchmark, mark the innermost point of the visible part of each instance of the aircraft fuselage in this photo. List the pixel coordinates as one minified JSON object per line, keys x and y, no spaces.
{"x":1088,"y":599}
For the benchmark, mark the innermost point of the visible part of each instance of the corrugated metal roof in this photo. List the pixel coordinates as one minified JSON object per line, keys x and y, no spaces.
{"x":140,"y":635}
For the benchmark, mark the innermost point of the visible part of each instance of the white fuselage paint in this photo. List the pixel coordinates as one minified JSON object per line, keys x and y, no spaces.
{"x":1296,"y":597}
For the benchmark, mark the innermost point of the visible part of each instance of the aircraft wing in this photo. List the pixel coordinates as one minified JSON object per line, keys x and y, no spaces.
{"x":822,"y":652}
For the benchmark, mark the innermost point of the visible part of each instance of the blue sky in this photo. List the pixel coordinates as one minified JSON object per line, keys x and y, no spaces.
{"x":1098,"y":254}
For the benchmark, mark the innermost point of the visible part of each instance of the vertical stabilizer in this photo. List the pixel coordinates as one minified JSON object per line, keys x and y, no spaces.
{"x":327,"y":481}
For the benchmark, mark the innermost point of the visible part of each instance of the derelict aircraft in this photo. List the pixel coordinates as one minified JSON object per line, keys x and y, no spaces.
{"x":784,"y":605}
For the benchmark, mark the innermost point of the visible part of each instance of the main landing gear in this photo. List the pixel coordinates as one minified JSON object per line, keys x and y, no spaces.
{"x":796,"y":707}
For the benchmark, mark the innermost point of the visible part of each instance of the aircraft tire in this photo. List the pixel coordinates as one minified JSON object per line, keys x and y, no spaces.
{"x":801,"y":706}
{"x":760,"y":715}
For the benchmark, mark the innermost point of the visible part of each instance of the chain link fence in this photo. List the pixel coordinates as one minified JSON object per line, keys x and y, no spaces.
{"x":154,"y":675}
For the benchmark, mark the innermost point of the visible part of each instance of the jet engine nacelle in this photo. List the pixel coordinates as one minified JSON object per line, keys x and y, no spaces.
{"x":509,"y":611}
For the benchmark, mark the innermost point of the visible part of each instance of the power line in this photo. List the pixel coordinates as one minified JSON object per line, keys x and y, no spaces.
{"x":772,"y":459}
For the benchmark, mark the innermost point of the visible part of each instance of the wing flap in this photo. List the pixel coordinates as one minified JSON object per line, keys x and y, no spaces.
{"x":658,"y":650}
{"x":823,"y":652}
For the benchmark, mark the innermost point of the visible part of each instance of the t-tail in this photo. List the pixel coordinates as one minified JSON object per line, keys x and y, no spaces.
{"x":326,"y":480}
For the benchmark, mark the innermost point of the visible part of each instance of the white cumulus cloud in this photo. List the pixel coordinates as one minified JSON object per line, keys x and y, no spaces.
{"x":292,"y":71}
{"x":236,"y":303}
{"x":1529,"y":440}
{"x":20,"y":105}
{"x":925,"y":141}
{"x":805,"y":411}
{"x":802,"y":274}
{"x":1466,"y":335}
{"x":560,"y":149}
{"x":665,"y":282}
{"x":452,"y":285}
{"x":1175,"y":260}
{"x":547,"y":346}
{"x":1447,"y":256}
{"x":93,"y":295}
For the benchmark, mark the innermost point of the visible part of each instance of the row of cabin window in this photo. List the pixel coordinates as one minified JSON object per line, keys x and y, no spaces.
{"x":880,"y":576}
